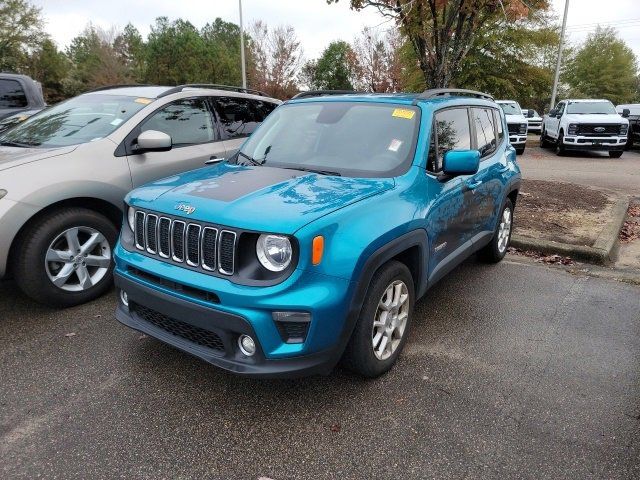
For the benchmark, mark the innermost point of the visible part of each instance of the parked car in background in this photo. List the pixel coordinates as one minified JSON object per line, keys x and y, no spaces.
{"x":19,"y":94}
{"x":585,"y":125}
{"x":65,"y":171}
{"x":534,"y":121}
{"x":517,"y":123}
{"x":316,"y":240}
{"x":633,"y":134}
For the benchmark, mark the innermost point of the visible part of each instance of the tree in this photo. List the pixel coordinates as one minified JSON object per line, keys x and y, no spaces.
{"x":336,"y":69}
{"x":441,"y":32}
{"x":20,"y":30}
{"x":222,"y":45}
{"x":131,"y":50}
{"x":378,"y":61}
{"x":275,"y":59}
{"x":51,"y":67}
{"x":603,"y":67}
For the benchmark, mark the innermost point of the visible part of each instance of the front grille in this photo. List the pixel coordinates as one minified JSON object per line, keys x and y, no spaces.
{"x":196,"y":245}
{"x":293,"y":332}
{"x":177,"y":328}
{"x":514,"y":127}
{"x":592,"y":129}
{"x":174,"y":286}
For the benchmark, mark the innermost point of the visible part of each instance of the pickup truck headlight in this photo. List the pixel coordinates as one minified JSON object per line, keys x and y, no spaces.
{"x":131,"y":218}
{"x":573,"y":129}
{"x":623,"y":131}
{"x":274,"y":252}
{"x":523,"y":129}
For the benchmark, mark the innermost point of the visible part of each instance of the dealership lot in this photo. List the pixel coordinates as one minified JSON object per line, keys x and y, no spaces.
{"x":511,"y":370}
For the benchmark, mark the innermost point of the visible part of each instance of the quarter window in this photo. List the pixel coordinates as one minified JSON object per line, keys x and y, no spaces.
{"x":499,"y":125}
{"x":187,"y":122}
{"x":452,"y":132}
{"x":485,"y":130}
{"x":237,"y":117}
{"x":12,"y":95}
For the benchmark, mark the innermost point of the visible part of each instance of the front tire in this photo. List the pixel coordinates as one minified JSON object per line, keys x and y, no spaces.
{"x":544,"y":141}
{"x":65,"y":259}
{"x":560,"y":149}
{"x":497,"y":248}
{"x":616,"y":154}
{"x":520,"y":151}
{"x":382,"y":327}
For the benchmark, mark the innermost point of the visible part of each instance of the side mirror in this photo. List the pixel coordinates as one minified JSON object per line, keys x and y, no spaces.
{"x":552,"y":112}
{"x":153,"y":141}
{"x":625,"y":113}
{"x":461,"y":162}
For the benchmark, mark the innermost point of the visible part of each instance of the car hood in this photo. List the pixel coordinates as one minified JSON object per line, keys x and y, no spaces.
{"x":14,"y":156}
{"x":515,"y":118}
{"x":591,"y":118}
{"x":255,"y":198}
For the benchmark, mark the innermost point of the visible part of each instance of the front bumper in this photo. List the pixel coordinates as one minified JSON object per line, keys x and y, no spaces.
{"x":579,"y":142}
{"x":534,"y":127}
{"x":236,"y":310}
{"x":518,"y":140}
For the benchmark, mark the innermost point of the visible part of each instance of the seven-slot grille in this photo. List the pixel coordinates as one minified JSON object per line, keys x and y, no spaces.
{"x":191,"y":243}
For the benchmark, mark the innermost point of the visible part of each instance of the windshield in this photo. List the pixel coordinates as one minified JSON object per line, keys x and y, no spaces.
{"x":346,"y":138}
{"x":511,"y":108}
{"x":82,"y":119}
{"x":598,"y":108}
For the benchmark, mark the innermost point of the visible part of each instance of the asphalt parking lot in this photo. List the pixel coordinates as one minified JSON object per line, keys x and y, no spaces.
{"x":512,"y":371}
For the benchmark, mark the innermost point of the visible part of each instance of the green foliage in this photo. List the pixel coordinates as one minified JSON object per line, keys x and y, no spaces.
{"x":51,"y":67}
{"x":334,"y":70}
{"x":603,"y":67}
{"x":20,"y":31}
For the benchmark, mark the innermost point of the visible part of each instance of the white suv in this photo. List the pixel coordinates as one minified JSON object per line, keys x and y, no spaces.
{"x":517,"y":124}
{"x":585,"y":125}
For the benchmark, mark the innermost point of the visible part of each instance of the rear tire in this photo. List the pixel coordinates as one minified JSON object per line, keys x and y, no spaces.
{"x":71,"y":247}
{"x":497,"y":248}
{"x":616,"y":154}
{"x":382,"y":314}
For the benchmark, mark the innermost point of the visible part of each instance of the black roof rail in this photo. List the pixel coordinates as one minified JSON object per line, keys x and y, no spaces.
{"x":215,"y":86}
{"x":124,"y":85}
{"x":447,"y":92}
{"x":323,"y":93}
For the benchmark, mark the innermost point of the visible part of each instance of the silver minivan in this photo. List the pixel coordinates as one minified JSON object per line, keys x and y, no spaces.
{"x":65,"y":171}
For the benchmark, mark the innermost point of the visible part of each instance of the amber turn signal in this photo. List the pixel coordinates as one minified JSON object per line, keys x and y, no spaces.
{"x":317,"y":250}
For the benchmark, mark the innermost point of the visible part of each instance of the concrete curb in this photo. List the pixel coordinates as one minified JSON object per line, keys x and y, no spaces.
{"x":604,"y":248}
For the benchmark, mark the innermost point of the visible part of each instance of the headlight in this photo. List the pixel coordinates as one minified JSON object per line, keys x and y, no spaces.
{"x":131,"y":218}
{"x":2,"y":192}
{"x":573,"y":128}
{"x":274,"y":252}
{"x":623,"y":131}
{"x":523,"y":129}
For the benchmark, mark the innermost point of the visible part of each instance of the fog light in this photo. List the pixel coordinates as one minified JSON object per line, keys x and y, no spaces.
{"x":247,"y":345}
{"x":124,"y":298}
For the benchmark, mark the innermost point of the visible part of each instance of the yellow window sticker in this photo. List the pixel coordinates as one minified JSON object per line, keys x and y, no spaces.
{"x":143,"y":101}
{"x":403,"y":113}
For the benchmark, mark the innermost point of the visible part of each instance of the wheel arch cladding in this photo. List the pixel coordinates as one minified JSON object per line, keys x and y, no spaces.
{"x":109,"y":210}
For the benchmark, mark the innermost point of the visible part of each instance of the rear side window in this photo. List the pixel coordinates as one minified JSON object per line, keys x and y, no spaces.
{"x":12,"y":95}
{"x":262,"y":109}
{"x":499,"y":125}
{"x":452,"y":132}
{"x":187,"y":122}
{"x":238,"y":117}
{"x":485,"y":130}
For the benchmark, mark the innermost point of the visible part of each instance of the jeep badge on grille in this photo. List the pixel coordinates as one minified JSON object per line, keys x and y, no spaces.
{"x":186,"y":208}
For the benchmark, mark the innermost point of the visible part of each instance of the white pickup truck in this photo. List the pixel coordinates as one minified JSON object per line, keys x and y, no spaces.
{"x":517,"y":124}
{"x":585,"y":125}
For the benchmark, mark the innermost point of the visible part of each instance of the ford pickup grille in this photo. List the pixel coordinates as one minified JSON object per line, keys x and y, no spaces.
{"x":596,"y":130}
{"x":196,"y":245}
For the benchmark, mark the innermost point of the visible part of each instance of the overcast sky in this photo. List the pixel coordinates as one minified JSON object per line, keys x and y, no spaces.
{"x":316,"y":23}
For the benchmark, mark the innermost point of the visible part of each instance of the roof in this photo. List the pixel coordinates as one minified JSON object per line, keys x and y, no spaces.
{"x":582,"y":100}
{"x":141,"y":91}
{"x":156,"y":91}
{"x":397,"y":98}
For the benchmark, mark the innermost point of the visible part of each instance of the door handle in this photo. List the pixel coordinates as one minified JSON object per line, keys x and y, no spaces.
{"x":213,"y":159}
{"x":473,"y":184}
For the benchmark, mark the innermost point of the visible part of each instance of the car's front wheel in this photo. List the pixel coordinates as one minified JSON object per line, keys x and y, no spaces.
{"x":544,"y":141}
{"x":381,"y":330}
{"x":560,"y":149}
{"x":66,"y":259}
{"x":615,"y":154}
{"x":520,"y":151}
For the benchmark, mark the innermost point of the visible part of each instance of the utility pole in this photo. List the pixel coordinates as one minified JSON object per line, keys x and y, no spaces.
{"x":244,"y":68}
{"x":557,"y":77}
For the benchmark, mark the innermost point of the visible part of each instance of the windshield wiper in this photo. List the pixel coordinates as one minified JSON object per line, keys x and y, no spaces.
{"x":16,"y":144}
{"x":251,"y":159}
{"x":314,"y":170}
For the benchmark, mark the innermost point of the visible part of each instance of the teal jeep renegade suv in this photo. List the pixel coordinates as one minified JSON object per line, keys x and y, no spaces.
{"x":314,"y":241}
